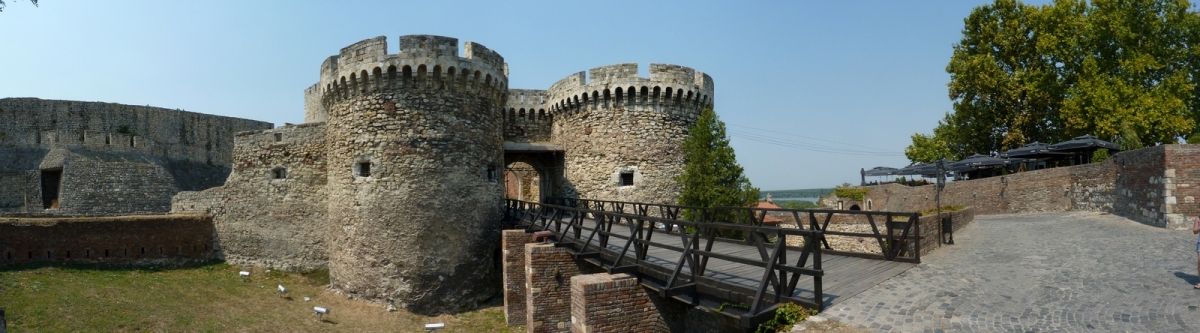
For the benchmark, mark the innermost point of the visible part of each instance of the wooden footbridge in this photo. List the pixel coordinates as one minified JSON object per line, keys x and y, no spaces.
{"x":717,"y":257}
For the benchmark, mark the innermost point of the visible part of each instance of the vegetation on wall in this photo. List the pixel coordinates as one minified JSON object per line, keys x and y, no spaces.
{"x":1124,"y":71}
{"x":856,"y":193}
{"x":711,"y":176}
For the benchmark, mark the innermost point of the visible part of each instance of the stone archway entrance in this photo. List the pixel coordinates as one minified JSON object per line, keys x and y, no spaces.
{"x":522,"y":181}
{"x":531,"y":171}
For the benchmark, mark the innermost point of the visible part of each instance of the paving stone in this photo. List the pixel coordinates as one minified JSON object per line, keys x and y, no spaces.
{"x":1057,"y":272}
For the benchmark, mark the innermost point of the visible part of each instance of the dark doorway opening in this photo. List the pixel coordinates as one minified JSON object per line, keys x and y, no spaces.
{"x":51,"y":184}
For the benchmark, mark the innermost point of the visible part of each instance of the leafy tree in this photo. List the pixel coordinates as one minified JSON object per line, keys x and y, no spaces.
{"x":1005,"y":91}
{"x":1117,"y":69}
{"x":927,"y":148}
{"x":711,"y":176}
{"x":2,"y":4}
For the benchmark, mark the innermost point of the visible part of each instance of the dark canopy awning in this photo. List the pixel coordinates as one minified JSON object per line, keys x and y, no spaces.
{"x":1034,"y":150}
{"x":1085,"y":142}
{"x":978,"y":161}
{"x":880,"y":171}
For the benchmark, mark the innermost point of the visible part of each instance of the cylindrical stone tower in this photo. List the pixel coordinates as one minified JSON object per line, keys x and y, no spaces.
{"x":623,"y":134}
{"x":415,"y":153}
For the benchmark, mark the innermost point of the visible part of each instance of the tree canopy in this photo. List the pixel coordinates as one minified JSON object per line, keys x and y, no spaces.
{"x":2,"y":4}
{"x":1122,"y":70}
{"x":711,"y":176}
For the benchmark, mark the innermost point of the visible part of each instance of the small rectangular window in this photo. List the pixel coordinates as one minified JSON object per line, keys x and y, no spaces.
{"x":491,"y":173}
{"x":280,"y":173}
{"x":278,"y":137}
{"x":626,"y":179}
{"x":364,"y":169}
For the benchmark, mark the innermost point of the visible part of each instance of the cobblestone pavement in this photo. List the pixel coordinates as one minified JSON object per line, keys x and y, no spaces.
{"x":1056,"y":272}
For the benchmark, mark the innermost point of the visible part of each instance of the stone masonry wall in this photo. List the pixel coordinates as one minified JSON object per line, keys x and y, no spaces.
{"x":1157,"y":186}
{"x":526,"y":119}
{"x":1181,"y":185}
{"x":620,"y":123}
{"x":115,"y":159}
{"x":931,"y":227}
{"x":159,"y":239}
{"x":411,"y":138}
{"x":164,"y":133}
{"x":272,"y":210}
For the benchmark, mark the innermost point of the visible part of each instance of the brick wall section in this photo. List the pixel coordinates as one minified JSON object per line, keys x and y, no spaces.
{"x":931,"y":227}
{"x":1157,"y":186}
{"x":548,"y":276}
{"x":127,"y":239}
{"x":513,"y":244}
{"x":611,"y":303}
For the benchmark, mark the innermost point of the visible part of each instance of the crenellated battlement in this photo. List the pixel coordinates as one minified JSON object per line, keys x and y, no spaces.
{"x":526,"y":118}
{"x":669,"y":87}
{"x":425,"y":62}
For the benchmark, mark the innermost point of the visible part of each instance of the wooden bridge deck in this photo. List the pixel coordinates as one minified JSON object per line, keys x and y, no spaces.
{"x":844,"y":276}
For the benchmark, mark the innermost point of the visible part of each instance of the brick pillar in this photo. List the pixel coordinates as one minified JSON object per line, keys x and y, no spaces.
{"x":513,"y":242}
{"x":548,"y":276}
{"x":612,"y":303}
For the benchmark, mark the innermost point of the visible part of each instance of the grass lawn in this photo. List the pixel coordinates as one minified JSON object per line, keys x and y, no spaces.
{"x":204,"y":298}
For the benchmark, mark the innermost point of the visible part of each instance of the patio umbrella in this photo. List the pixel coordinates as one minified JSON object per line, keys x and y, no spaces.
{"x":977,"y":161}
{"x":1083,"y":143}
{"x":880,"y":171}
{"x":914,"y":169}
{"x":1034,"y":150}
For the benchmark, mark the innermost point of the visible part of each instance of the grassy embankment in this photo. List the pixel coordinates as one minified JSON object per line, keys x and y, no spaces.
{"x":202,"y":298}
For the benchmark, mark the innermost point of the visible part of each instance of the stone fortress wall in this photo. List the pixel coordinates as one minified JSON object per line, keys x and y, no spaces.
{"x":110,"y":159}
{"x":527,"y":119}
{"x":394,"y":181}
{"x":272,"y":211}
{"x":611,"y":122}
{"x":414,"y":146}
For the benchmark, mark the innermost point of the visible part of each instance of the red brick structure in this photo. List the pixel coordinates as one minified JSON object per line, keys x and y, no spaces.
{"x":612,"y":303}
{"x":548,"y":291}
{"x":513,"y":266}
{"x":124,"y":239}
{"x":931,"y":227}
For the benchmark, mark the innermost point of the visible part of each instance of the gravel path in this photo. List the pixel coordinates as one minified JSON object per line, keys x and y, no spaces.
{"x":1060,"y":272}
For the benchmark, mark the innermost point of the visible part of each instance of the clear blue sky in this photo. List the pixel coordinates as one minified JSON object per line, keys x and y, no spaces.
{"x":816,"y":76}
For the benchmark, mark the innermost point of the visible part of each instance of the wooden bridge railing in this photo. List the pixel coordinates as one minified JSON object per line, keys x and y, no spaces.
{"x":898,"y":237}
{"x":688,"y":277}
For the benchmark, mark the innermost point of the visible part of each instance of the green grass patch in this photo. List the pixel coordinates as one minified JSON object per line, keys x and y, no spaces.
{"x":205,"y":297}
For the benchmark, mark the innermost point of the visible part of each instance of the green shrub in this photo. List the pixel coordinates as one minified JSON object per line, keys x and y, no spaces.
{"x":787,"y":315}
{"x":1100,"y":155}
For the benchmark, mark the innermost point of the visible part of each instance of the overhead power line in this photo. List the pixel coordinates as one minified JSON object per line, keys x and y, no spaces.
{"x":806,"y":144}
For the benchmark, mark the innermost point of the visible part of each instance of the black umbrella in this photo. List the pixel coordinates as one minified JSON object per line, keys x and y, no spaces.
{"x":977,"y":161}
{"x":1034,"y":150}
{"x":1083,"y":143}
{"x":880,"y":171}
{"x":914,"y":169}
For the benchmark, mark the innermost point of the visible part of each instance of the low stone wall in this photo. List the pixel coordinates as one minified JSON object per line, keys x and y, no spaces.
{"x":1157,"y":186}
{"x":150,"y":239}
{"x":931,"y":227}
